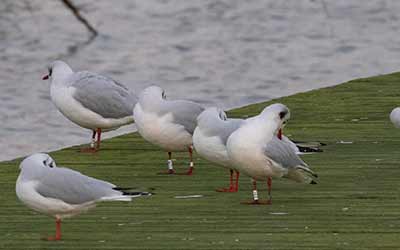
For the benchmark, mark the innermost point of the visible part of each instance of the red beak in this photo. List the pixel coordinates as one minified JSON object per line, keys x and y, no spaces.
{"x":45,"y":77}
{"x":280,"y":134}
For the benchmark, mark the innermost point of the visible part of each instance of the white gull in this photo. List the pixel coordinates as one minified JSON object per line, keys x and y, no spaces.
{"x":168,"y":124}
{"x":257,"y":151}
{"x":62,"y":192}
{"x":90,"y":100}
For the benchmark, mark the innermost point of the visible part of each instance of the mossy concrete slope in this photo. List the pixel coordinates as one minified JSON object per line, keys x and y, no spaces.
{"x":354,"y":206}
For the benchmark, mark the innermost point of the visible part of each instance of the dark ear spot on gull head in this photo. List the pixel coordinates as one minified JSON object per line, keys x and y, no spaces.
{"x":49,"y":163}
{"x":282,"y":114}
{"x":222,"y":115}
{"x":46,"y":77}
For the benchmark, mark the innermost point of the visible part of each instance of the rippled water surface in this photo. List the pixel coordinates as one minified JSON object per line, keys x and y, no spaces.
{"x":227,"y":53}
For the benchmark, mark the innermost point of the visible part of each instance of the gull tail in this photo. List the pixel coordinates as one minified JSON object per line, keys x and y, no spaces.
{"x":302,"y":174}
{"x":132,"y":193}
{"x":125,"y":194}
{"x":309,"y":147}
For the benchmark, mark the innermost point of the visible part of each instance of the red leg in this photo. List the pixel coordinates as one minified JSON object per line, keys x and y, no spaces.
{"x":191,"y":164}
{"x":269,"y":182}
{"x":237,"y":181}
{"x":58,"y":232}
{"x":255,"y":200}
{"x":98,"y":138}
{"x":90,"y":149}
{"x":231,"y":188}
{"x":170,"y":165}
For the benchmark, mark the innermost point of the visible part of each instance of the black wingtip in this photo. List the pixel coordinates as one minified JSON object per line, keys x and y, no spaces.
{"x":125,"y":191}
{"x":313,"y":182}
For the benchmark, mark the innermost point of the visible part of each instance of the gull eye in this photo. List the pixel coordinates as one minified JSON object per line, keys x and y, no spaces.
{"x":50,"y":71}
{"x":163,"y":95}
{"x":44,"y":163}
{"x":51,"y":165}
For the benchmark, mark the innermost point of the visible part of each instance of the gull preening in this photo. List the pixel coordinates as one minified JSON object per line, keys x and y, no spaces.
{"x":257,"y":150}
{"x":209,"y":140}
{"x":90,"y":100}
{"x":168,"y":124}
{"x":62,"y":192}
{"x":211,"y":135}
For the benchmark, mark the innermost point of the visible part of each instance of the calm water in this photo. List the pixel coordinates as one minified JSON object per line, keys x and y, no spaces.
{"x":227,"y":53}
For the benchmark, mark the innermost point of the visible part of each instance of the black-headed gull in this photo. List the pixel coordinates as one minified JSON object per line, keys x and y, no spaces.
{"x":168,"y":124}
{"x":257,"y":150}
{"x":211,"y":135}
{"x":62,"y":192}
{"x":90,"y":100}
{"x":209,"y":140}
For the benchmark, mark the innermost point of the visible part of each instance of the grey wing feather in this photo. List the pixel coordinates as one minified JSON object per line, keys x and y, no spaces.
{"x":282,"y":153}
{"x":184,"y":113}
{"x":102,"y":95}
{"x":229,"y":126}
{"x":73,"y":187}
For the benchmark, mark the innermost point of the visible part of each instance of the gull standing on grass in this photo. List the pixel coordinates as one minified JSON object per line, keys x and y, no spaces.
{"x":209,"y":140}
{"x":257,"y":150}
{"x":211,"y":135}
{"x":168,"y":124}
{"x":62,"y":192}
{"x":90,"y":100}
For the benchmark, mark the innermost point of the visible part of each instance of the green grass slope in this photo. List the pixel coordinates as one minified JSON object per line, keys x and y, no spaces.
{"x":354,"y":206}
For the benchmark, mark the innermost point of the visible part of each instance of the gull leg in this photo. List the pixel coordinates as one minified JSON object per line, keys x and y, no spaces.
{"x":98,"y":139}
{"x":170,"y":165}
{"x":237,"y":181}
{"x":269,"y":182}
{"x":255,"y":200}
{"x":90,"y":149}
{"x":58,"y":232}
{"x":191,"y":164}
{"x":231,"y":188}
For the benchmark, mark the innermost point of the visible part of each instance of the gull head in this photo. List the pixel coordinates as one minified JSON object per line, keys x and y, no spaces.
{"x":277,"y":113}
{"x":33,"y":165}
{"x":154,"y":91}
{"x":213,"y":112}
{"x":57,"y":68}
{"x":151,"y":96}
{"x":210,"y":116}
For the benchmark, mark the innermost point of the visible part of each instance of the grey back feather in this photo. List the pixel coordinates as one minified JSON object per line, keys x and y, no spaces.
{"x":223,"y":128}
{"x":102,"y":95}
{"x":183,"y":112}
{"x":73,"y":187}
{"x":282,"y":153}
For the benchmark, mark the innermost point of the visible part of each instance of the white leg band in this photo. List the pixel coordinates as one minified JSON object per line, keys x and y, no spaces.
{"x":170,"y":166}
{"x":191,"y":164}
{"x":255,"y":195}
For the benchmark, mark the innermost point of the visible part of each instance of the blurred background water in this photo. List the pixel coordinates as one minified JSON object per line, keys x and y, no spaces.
{"x":218,"y":52}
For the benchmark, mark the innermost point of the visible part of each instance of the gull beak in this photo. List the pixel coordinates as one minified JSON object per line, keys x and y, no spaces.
{"x":280,"y":134}
{"x":45,"y":77}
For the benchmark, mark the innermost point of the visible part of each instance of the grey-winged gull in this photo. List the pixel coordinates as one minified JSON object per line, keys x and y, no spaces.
{"x":90,"y":100}
{"x":168,"y":124}
{"x":257,"y":151}
{"x":62,"y":192}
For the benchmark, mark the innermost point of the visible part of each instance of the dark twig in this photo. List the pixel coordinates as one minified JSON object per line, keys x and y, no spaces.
{"x":77,"y":14}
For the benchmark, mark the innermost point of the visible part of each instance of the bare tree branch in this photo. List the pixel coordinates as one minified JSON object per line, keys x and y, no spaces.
{"x":77,"y":14}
